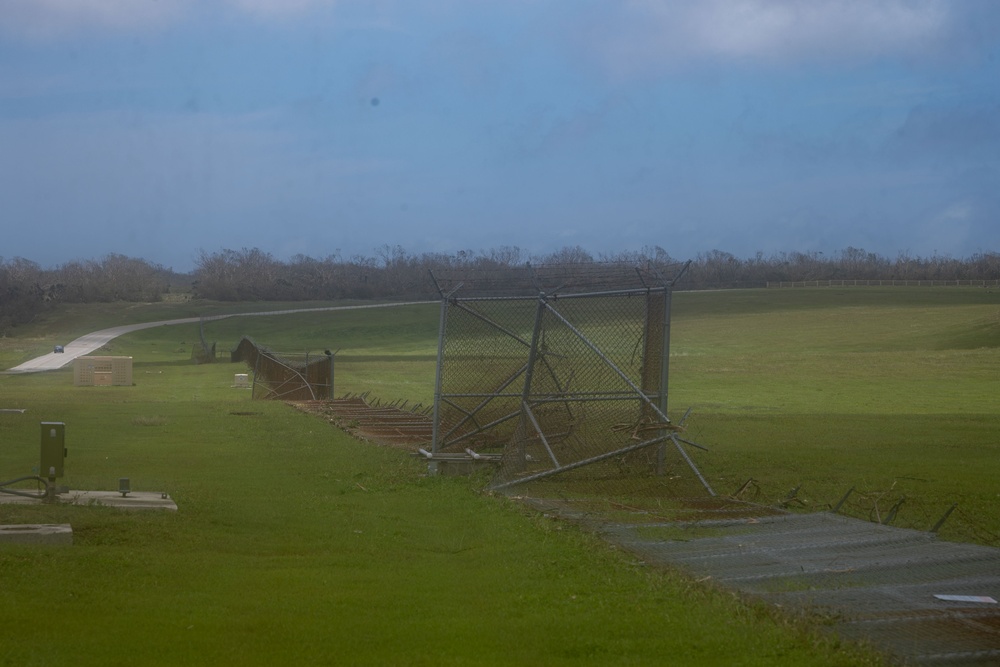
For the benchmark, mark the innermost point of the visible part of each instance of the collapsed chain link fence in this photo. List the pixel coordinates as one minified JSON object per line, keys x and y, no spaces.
{"x":286,"y":377}
{"x":562,"y":373}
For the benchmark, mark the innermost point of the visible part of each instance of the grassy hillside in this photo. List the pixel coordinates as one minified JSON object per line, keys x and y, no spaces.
{"x":892,"y":392}
{"x":295,"y":543}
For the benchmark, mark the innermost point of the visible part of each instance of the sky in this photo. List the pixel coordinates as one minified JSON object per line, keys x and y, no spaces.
{"x":164,"y":129}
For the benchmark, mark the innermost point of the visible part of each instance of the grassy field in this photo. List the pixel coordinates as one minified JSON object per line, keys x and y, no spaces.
{"x":295,"y":543}
{"x":892,"y":392}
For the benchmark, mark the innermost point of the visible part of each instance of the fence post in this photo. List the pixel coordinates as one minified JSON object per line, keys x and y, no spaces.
{"x":331,"y":377}
{"x":435,"y":427}
{"x":661,"y":451}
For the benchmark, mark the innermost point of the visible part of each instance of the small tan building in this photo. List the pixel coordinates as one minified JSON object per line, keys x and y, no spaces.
{"x":102,"y":372}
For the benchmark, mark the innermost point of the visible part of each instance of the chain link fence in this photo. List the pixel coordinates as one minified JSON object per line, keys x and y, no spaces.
{"x":286,"y":377}
{"x":562,"y":372}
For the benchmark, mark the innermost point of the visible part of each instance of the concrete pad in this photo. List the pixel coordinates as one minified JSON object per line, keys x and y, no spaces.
{"x":453,"y":463}
{"x":37,"y":533}
{"x":135,"y":500}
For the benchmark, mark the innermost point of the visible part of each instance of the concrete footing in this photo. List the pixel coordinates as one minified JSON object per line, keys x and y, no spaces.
{"x":135,"y":500}
{"x":37,"y":533}
{"x":457,"y":464}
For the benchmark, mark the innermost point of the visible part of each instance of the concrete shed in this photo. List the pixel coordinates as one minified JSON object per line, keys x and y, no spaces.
{"x":102,"y":372}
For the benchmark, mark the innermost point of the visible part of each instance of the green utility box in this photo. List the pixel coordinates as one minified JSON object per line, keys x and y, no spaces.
{"x":53,"y":448}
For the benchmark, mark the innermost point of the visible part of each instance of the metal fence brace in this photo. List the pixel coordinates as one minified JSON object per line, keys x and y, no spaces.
{"x":563,"y":372}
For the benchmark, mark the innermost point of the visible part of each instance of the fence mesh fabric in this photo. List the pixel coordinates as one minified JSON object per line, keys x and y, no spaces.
{"x":890,"y":586}
{"x":286,"y":377}
{"x":567,"y":387}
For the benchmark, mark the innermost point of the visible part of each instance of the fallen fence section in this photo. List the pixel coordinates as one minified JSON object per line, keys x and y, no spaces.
{"x":285,"y":377}
{"x":392,"y":424}
{"x":917,"y":598}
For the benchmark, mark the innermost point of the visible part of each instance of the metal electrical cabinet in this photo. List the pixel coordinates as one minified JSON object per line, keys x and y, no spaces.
{"x":53,"y":448}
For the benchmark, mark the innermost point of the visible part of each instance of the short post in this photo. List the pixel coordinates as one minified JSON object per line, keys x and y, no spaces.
{"x":893,"y":510}
{"x":836,"y":508}
{"x":53,"y":455}
{"x":944,"y":518}
{"x":50,"y":486}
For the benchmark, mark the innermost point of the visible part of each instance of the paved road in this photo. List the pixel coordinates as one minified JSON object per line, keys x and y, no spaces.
{"x":94,"y":341}
{"x":86,"y":344}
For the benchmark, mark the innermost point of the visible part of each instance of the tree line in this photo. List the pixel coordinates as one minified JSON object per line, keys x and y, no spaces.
{"x":27,"y":289}
{"x":254,"y":275}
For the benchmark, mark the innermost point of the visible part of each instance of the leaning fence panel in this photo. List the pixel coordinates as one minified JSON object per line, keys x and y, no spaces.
{"x":286,"y":377}
{"x":568,"y":383}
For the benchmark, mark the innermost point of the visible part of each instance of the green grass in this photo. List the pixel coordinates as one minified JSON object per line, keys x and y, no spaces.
{"x":295,"y":543}
{"x":890,"y":391}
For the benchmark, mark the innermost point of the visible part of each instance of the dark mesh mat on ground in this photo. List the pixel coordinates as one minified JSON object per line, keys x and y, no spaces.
{"x":876,"y":583}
